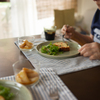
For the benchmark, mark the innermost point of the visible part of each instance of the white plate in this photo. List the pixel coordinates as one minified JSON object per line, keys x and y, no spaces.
{"x":74,"y":46}
{"x":19,"y":90}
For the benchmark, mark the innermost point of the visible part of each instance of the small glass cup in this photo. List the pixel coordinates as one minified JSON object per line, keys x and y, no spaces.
{"x":50,"y":32}
{"x":26,"y":43}
{"x":27,"y":73}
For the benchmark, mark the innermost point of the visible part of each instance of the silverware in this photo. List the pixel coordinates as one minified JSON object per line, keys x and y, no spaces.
{"x":53,"y":93}
{"x":68,"y":39}
{"x":64,"y":35}
{"x":54,"y":96}
{"x":51,"y":88}
{"x":65,"y":38}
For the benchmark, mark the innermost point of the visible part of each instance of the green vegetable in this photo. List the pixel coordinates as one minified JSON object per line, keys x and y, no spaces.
{"x":50,"y":49}
{"x":5,"y":92}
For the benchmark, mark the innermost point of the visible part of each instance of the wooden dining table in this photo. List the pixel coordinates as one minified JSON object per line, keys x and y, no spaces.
{"x":84,"y":84}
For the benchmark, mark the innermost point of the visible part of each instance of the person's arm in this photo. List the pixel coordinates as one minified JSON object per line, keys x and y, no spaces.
{"x":89,"y":49}
{"x":69,"y":32}
{"x":83,"y":38}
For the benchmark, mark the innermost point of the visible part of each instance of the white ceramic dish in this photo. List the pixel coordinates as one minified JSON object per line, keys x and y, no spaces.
{"x":74,"y":46}
{"x":19,"y":90}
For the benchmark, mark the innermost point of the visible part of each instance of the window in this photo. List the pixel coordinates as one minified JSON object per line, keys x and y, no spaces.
{"x":2,"y":0}
{"x":30,"y":16}
{"x":45,"y":8}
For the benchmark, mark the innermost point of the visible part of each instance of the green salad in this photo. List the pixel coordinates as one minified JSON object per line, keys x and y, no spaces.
{"x":5,"y":92}
{"x":50,"y":49}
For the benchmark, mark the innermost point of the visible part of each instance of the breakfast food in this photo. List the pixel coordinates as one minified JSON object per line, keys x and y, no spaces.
{"x":5,"y":93}
{"x":50,"y":49}
{"x":55,"y":48}
{"x":26,"y":45}
{"x":2,"y":98}
{"x":27,"y":76}
{"x":63,"y":46}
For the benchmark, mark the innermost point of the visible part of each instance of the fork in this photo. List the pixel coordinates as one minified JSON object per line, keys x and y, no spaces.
{"x":54,"y":95}
{"x":51,"y":88}
{"x":53,"y":92}
{"x":64,"y":35}
{"x":63,"y":38}
{"x":66,"y":38}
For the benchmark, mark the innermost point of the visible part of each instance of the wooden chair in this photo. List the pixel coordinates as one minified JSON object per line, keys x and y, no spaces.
{"x":62,"y":17}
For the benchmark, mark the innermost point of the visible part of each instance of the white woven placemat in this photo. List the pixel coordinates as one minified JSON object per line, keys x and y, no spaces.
{"x":62,"y":66}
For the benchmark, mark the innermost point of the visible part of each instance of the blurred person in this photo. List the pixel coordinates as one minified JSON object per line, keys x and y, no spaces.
{"x":92,"y":47}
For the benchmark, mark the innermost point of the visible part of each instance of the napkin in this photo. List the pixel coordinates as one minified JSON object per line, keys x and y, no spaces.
{"x":47,"y":77}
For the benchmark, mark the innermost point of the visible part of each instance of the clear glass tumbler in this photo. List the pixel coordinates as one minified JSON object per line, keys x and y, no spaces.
{"x":26,"y":43}
{"x":27,"y":73}
{"x":49,"y":32}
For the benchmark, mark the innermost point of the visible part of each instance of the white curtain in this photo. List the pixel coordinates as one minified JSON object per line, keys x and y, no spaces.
{"x":24,"y":17}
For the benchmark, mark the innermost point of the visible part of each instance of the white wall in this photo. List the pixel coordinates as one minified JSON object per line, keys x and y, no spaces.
{"x":84,"y":5}
{"x":86,"y":9}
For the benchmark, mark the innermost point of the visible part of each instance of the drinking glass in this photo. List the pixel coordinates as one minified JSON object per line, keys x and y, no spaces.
{"x":26,"y":43}
{"x":49,"y":32}
{"x":27,"y":73}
